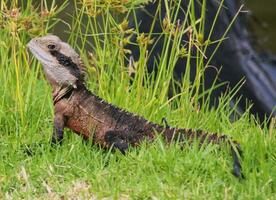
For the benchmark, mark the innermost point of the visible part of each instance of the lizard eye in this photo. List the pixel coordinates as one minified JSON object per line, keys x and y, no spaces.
{"x":51,"y":46}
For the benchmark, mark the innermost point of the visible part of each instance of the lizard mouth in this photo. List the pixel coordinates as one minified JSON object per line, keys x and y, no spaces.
{"x":39,"y":53}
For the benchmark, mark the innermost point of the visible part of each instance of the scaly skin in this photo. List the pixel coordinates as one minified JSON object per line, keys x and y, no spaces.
{"x":91,"y":117}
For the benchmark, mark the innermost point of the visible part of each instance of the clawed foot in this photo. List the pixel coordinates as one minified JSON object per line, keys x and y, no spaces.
{"x":116,"y":139}
{"x":56,"y":141}
{"x":121,"y":146}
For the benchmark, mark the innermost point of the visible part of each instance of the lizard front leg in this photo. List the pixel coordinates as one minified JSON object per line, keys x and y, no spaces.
{"x":57,"y":136}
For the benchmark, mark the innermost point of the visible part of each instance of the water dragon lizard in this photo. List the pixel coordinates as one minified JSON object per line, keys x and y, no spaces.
{"x":86,"y":114}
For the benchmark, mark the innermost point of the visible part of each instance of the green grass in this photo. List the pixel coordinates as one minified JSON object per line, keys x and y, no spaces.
{"x":80,"y":170}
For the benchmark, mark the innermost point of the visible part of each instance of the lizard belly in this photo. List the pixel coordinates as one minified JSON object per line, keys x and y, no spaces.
{"x":88,"y":128}
{"x":81,"y":126}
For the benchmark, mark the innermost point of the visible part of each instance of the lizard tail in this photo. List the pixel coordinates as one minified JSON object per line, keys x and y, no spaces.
{"x":236,"y":153}
{"x":190,"y":135}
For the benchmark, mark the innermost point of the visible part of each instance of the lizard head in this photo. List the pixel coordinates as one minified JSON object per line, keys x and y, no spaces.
{"x":62,"y":65}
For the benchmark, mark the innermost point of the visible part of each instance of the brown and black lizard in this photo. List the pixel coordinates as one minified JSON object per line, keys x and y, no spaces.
{"x":90,"y":116}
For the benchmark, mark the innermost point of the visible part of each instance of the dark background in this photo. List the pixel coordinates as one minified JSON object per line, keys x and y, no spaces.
{"x":265,"y":12}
